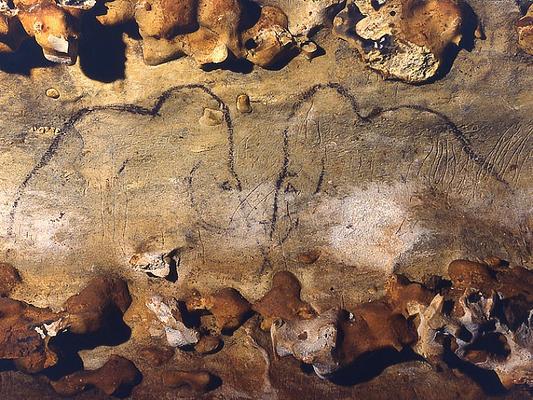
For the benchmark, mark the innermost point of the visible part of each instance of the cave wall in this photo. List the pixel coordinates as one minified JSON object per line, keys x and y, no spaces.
{"x":375,"y":176}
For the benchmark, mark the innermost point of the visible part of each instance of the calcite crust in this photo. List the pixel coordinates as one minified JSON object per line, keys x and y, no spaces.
{"x":524,"y":27}
{"x":402,"y":39}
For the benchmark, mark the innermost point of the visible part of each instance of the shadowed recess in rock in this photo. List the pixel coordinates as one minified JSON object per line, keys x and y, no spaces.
{"x":402,"y":39}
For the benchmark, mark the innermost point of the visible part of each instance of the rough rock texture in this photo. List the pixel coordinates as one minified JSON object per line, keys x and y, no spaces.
{"x":156,"y":355}
{"x":409,"y":40}
{"x":283,"y":301}
{"x":9,"y":278}
{"x":312,"y":341}
{"x":175,"y":331}
{"x":53,"y":24}
{"x":227,"y":305}
{"x":199,"y":381}
{"x":487,"y":320}
{"x":155,"y":264}
{"x":404,"y":39}
{"x":377,"y":176}
{"x":210,"y":31}
{"x":87,"y":311}
{"x":23,"y":335}
{"x":27,"y":332}
{"x":524,"y":27}
{"x":116,"y":374}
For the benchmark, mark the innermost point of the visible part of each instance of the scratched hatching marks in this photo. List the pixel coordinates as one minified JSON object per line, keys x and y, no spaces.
{"x":444,"y":165}
{"x":442,"y":158}
{"x":498,"y":149}
{"x":68,"y":128}
{"x":509,"y":153}
{"x":444,"y":170}
{"x":516,"y":153}
{"x":522,"y":158}
{"x":194,"y":204}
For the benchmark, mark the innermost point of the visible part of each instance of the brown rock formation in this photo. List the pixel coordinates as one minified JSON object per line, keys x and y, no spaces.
{"x":116,"y":374}
{"x":283,"y":301}
{"x":524,"y":27}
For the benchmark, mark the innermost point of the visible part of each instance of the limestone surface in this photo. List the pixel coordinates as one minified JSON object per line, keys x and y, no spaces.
{"x":324,"y":170}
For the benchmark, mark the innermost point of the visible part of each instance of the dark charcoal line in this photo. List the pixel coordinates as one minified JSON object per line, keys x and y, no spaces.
{"x":310,"y":93}
{"x":304,"y":97}
{"x":279,"y":182}
{"x":321,"y":177}
{"x":461,"y":137}
{"x":123,"y":166}
{"x":68,"y":127}
{"x":227,"y":119}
